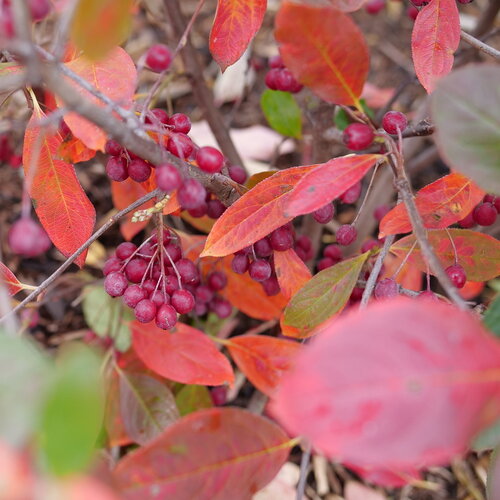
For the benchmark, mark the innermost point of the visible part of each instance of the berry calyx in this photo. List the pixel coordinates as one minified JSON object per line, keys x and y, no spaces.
{"x":346,"y":234}
{"x":358,"y":136}
{"x":457,"y":275}
{"x":209,"y":159}
{"x":394,"y":121}
{"x":158,"y":58}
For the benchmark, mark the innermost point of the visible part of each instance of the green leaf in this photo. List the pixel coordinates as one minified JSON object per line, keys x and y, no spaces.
{"x":107,"y":317}
{"x":24,"y":374}
{"x":491,"y":317}
{"x":341,"y":119}
{"x":324,"y":295}
{"x":465,"y":108}
{"x":488,"y":438}
{"x":192,"y":398}
{"x":73,"y":411}
{"x":282,"y":112}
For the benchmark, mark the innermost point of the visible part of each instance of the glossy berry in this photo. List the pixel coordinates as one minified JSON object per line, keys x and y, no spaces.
{"x":166,"y":317}
{"x":209,"y":159}
{"x":39,"y":9}
{"x":260,"y":270}
{"x":374,"y":6}
{"x":271,"y":79}
{"x":412,"y":12}
{"x":182,"y":301}
{"x":158,"y":297}
{"x":485,"y":214}
{"x":135,"y":269}
{"x":159,"y":58}
{"x":394,"y":121}
{"x":324,"y":214}
{"x":187,"y":271}
{"x":133,"y":295}
{"x":168,"y":177}
{"x":276,"y":62}
{"x":286,"y":82}
{"x":221,"y":307}
{"x":468,"y":221}
{"x":215,"y":209}
{"x":216,"y":281}
{"x":116,"y":169}
{"x":112,"y":147}
{"x":174,"y":252}
{"x":171,"y":284}
{"x":352,"y":194}
{"x":346,"y":234}
{"x":219,"y":395}
{"x":271,"y":286}
{"x":145,"y":311}
{"x":240,"y":264}
{"x":263,"y":247}
{"x":358,"y":136}
{"x":191,"y":194}
{"x":115,"y":284}
{"x":325,"y":263}
{"x":457,"y":275}
{"x":159,"y":115}
{"x":237,"y":174}
{"x":281,"y":239}
{"x":333,"y":251}
{"x":125,"y":250}
{"x":112,"y":265}
{"x":139,"y":170}
{"x":386,"y":288}
{"x":180,"y":145}
{"x":27,"y":238}
{"x":180,"y":123}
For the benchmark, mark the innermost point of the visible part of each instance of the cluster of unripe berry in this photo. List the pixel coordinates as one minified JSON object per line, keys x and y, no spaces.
{"x":280,"y":78}
{"x":158,"y":283}
{"x":483,"y":214}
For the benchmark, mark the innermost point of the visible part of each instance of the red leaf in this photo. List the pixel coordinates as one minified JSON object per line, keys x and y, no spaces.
{"x":477,"y":253}
{"x":236,"y":23}
{"x":263,"y":359}
{"x":291,"y":272}
{"x":115,"y":76}
{"x":183,"y":354}
{"x":61,"y":204}
{"x":435,"y":38}
{"x":384,"y":383}
{"x":219,"y":453}
{"x":440,"y":204}
{"x":257,"y":213}
{"x":326,"y":182}
{"x":72,"y":150}
{"x":9,"y":280}
{"x":324,"y":50}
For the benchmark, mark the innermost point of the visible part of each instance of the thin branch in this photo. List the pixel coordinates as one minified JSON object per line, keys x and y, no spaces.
{"x":421,"y":129}
{"x":479,"y":45}
{"x":113,"y":220}
{"x":304,"y":465}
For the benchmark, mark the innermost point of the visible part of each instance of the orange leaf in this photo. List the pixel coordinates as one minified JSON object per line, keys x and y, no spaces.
{"x":327,"y":181}
{"x":72,"y":150}
{"x":203,"y":224}
{"x":409,"y":276}
{"x":435,"y":38}
{"x":216,"y":454}
{"x":477,"y":253}
{"x":8,"y":279}
{"x":440,"y":204}
{"x":324,"y":50}
{"x":236,"y":23}
{"x":263,"y":359}
{"x":257,"y":213}
{"x":115,"y":76}
{"x":61,"y":204}
{"x":183,"y":354}
{"x":291,"y":272}
{"x":471,"y":289}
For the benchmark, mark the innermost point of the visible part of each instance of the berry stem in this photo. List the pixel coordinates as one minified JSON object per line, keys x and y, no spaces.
{"x":403,"y":262}
{"x":453,"y":245}
{"x":368,"y":189}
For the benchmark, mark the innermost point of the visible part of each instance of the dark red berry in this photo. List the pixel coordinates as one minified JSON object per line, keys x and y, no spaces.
{"x":182,"y":301}
{"x":380,"y":212}
{"x":464,"y":1}
{"x":159,"y":58}
{"x":260,"y":270}
{"x":191,"y":194}
{"x":281,"y":239}
{"x":125,"y":250}
{"x":489,"y":198}
{"x":325,"y":263}
{"x":209,"y":159}
{"x":166,"y":317}
{"x":374,"y":6}
{"x":324,"y":214}
{"x":485,"y":214}
{"x":158,"y":297}
{"x":215,"y":209}
{"x":497,"y":204}
{"x":174,"y":252}
{"x":28,"y":238}
{"x":240,"y":264}
{"x":204,"y":294}
{"x":116,"y":169}
{"x":457,"y":275}
{"x":39,"y":9}
{"x":135,"y":269}
{"x":171,"y":284}
{"x":356,"y":294}
{"x":148,"y":286}
{"x":286,"y":82}
{"x":419,"y":3}
{"x":271,"y":286}
{"x":263,"y":247}
{"x":199,"y":211}
{"x":358,"y":136}
{"x":272,"y":77}
{"x":334,"y":252}
{"x":216,"y":280}
{"x":386,"y":288}
{"x":394,"y":121}
{"x":276,"y":62}
{"x":412,"y":12}
{"x":304,"y":242}
{"x":168,"y":177}
{"x":133,"y":295}
{"x":112,"y":147}
{"x":346,"y":234}
{"x":180,"y":145}
{"x":238,"y":174}
{"x":187,"y":271}
{"x":139,"y":170}
{"x":352,"y":194}
{"x":160,"y":115}
{"x":145,"y":311}
{"x":467,"y":221}
{"x":221,"y":307}
{"x":112,"y":265}
{"x":115,"y":284}
{"x":369,"y":245}
{"x":180,"y":123}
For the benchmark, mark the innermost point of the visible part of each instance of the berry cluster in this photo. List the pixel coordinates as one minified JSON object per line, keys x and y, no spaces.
{"x":483,"y":214}
{"x":280,"y":78}
{"x":158,"y":283}
{"x":258,"y":258}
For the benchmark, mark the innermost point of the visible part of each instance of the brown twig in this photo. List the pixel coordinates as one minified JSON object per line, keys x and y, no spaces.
{"x":202,"y":93}
{"x":487,"y":19}
{"x":479,"y":45}
{"x":421,"y":129}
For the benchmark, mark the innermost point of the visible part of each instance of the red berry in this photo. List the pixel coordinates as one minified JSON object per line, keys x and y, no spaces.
{"x":221,"y":307}
{"x":112,"y":147}
{"x":182,"y":301}
{"x":485,"y":214}
{"x":272,"y":77}
{"x":145,"y":311}
{"x":304,"y":242}
{"x":271,"y":286}
{"x":180,"y":145}
{"x":260,"y":270}
{"x":394,"y":121}
{"x":174,"y":252}
{"x":489,"y":198}
{"x":159,"y":115}
{"x":180,"y":123}
{"x":352,"y":194}
{"x":358,"y":136}
{"x":324,"y":214}
{"x":204,"y":294}
{"x":240,"y":264}
{"x":200,"y":308}
{"x":497,"y":204}
{"x":457,"y":275}
{"x":159,"y":58}
{"x":276,"y":62}
{"x":209,"y":159}
{"x":139,"y":170}
{"x":346,"y":234}
{"x":171,"y":284}
{"x":380,"y":212}
{"x":188,"y":271}
{"x":215,"y":209}
{"x":219,"y":395}
{"x":125,"y":250}
{"x":158,"y":297}
{"x":116,"y":169}
{"x":374,"y":6}
{"x":238,"y":174}
{"x":191,"y":194}
{"x":412,"y":12}
{"x":112,"y":265}
{"x":28,"y":238}
{"x":115,"y":284}
{"x":334,"y":252}
{"x":467,"y":221}
{"x":149,"y":286}
{"x":166,"y":317}
{"x":419,"y":3}
{"x":386,"y":289}
{"x":325,"y":263}
{"x":39,"y":9}
{"x":216,"y":280}
{"x":168,"y":177}
{"x":133,"y":295}
{"x":427,"y":294}
{"x":263,"y":247}
{"x":135,"y":269}
{"x":286,"y":82}
{"x":356,"y":294}
{"x":281,"y":239}
{"x":369,"y":244}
